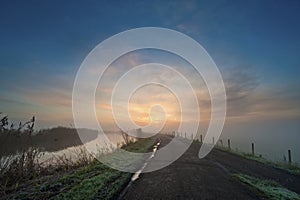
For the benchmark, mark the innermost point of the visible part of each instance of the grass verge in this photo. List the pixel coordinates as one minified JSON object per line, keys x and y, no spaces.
{"x":268,"y":188}
{"x":292,"y":168}
{"x":93,"y":181}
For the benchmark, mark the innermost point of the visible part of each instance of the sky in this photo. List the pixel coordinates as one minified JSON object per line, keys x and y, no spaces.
{"x":255,"y":44}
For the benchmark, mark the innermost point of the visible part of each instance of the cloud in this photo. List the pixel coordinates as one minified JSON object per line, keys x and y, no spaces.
{"x":12,"y":101}
{"x":240,"y":83}
{"x":248,"y":97}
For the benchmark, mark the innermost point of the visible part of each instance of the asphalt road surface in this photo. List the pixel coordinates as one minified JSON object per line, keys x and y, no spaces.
{"x":209,"y":178}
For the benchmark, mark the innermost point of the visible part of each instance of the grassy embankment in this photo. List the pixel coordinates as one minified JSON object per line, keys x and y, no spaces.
{"x":270,"y":189}
{"x":102,"y":182}
{"x":23,"y":176}
{"x":94,"y":181}
{"x":292,"y":168}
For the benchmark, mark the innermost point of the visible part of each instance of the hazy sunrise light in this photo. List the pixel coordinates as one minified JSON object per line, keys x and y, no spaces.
{"x":157,"y":99}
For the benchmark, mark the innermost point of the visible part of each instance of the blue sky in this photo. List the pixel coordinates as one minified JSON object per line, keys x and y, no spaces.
{"x":42,"y":44}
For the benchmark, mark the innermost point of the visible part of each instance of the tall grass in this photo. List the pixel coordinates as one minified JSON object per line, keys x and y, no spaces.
{"x":26,"y":164}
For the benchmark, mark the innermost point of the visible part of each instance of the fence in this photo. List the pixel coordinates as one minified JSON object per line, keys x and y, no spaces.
{"x":200,"y":139}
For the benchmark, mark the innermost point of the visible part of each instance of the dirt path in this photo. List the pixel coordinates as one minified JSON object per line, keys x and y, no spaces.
{"x":208,"y":178}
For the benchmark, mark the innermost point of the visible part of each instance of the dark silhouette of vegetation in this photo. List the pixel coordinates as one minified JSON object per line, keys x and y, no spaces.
{"x":21,"y":149}
{"x":18,"y":139}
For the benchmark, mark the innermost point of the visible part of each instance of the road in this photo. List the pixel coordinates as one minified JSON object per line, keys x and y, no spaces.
{"x":209,"y":178}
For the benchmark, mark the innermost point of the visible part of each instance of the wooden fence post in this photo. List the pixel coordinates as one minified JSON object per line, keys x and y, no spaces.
{"x":229,"y":144}
{"x":252,"y":149}
{"x":201,"y":138}
{"x":290,"y":156}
